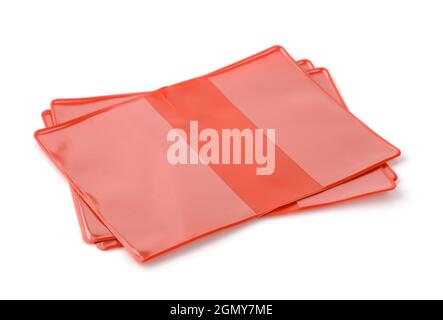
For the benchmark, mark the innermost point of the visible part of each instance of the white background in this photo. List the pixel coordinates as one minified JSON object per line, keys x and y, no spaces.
{"x":386,"y":57}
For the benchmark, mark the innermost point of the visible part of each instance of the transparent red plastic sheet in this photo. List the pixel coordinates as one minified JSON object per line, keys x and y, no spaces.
{"x":379,"y":180}
{"x":152,"y":207}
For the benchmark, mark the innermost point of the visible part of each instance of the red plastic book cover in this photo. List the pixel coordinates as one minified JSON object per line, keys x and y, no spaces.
{"x":152,"y":199}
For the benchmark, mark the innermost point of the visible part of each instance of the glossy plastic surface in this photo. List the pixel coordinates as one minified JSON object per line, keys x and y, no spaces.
{"x":92,"y":229}
{"x":374,"y":182}
{"x":105,"y":154}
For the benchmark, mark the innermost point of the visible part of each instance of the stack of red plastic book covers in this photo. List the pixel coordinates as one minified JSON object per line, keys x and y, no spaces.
{"x":267,"y":135}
